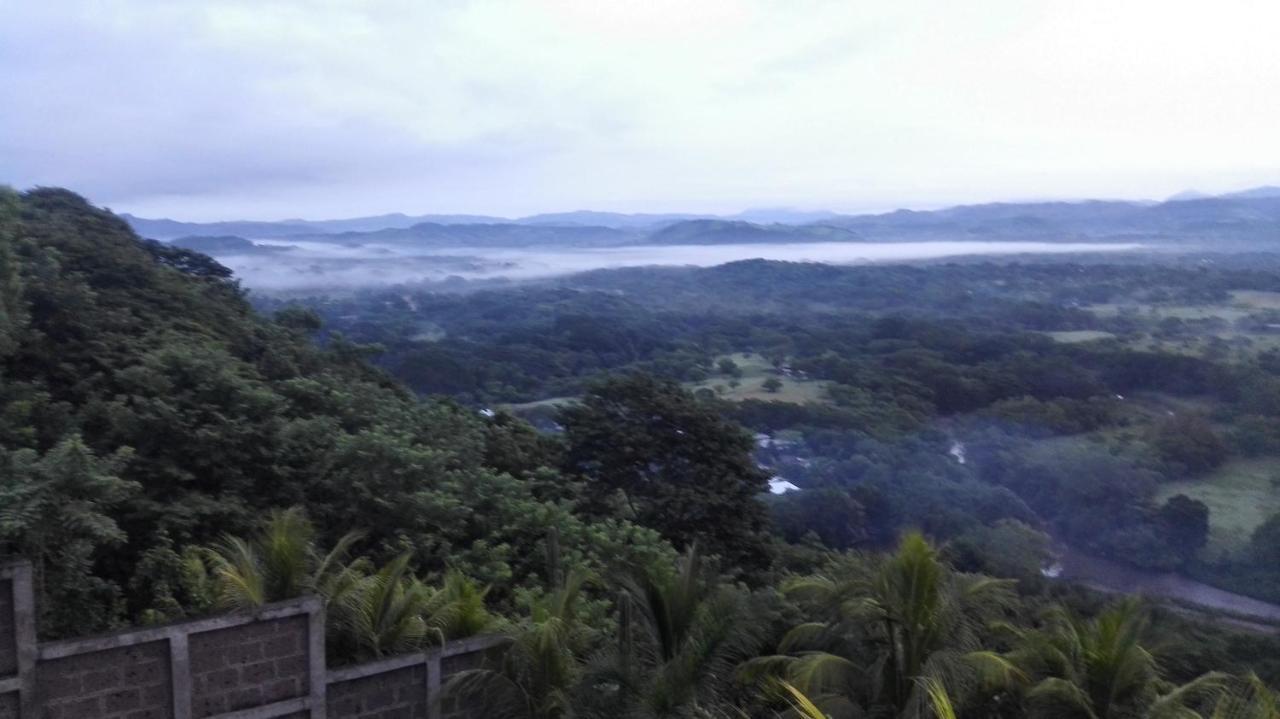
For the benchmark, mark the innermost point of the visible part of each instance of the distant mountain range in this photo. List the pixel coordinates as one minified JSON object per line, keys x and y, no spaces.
{"x":1246,"y":217}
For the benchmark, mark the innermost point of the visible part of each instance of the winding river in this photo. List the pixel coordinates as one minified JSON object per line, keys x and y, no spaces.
{"x":1109,"y":576}
{"x":1116,"y":578}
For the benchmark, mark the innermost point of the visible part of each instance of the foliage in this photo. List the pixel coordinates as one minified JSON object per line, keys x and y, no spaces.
{"x":673,"y":465}
{"x":538,"y":673}
{"x":55,"y":509}
{"x":907,"y":618}
{"x":679,"y":653}
{"x":167,"y":451}
{"x":1098,"y":668}
{"x":1190,"y":441}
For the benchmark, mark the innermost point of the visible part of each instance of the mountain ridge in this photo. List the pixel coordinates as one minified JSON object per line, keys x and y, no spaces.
{"x":1251,"y":215}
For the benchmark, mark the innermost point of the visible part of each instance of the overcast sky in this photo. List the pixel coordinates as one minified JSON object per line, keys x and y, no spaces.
{"x":223,"y":109}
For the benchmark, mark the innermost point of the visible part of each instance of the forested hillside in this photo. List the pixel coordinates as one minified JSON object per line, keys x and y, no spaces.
{"x":165,"y":450}
{"x":148,"y":410}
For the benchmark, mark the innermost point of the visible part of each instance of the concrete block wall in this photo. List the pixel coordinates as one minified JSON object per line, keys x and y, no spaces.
{"x":128,"y":682}
{"x":255,"y":665}
{"x":250,"y":665}
{"x":17,"y":641}
{"x":265,"y":664}
{"x":383,"y":693}
{"x":409,"y":686}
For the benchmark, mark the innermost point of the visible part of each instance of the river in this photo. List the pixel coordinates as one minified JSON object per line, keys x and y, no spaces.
{"x":1116,"y":578}
{"x":1109,"y":576}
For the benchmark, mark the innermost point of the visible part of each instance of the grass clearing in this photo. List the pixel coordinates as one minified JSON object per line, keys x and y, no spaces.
{"x":1240,"y":494}
{"x":1074,"y":336}
{"x":1256,"y":299}
{"x":755,"y":369}
{"x":1187,"y":312}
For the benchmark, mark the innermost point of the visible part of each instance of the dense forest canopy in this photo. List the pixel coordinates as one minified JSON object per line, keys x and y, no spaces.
{"x":1156,"y":373}
{"x":573,"y":464}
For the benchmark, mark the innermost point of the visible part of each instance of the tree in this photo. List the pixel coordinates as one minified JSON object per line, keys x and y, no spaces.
{"x":1186,"y":524}
{"x":728,"y":367}
{"x":837,"y":519}
{"x":1007,"y":548}
{"x":771,"y":385}
{"x":539,"y":671}
{"x":382,"y":613}
{"x":672,"y":463}
{"x":1189,"y":440}
{"x":1264,"y":544}
{"x":56,"y":510}
{"x":1247,"y":697}
{"x":370,"y":613}
{"x":299,"y":319}
{"x":1098,"y":668}
{"x":457,"y":610}
{"x":688,"y":634}
{"x":12,"y":306}
{"x":280,"y":562}
{"x":916,"y":617}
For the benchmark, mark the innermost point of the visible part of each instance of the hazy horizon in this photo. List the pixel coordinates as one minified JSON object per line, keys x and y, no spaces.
{"x":230,"y":109}
{"x":729,"y":213}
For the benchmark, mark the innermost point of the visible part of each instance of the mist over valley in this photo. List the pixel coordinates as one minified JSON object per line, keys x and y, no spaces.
{"x":394,"y":249}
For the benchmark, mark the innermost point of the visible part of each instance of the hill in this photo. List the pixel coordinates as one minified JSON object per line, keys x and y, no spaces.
{"x":715,"y":232}
{"x":225,"y":245}
{"x":147,"y":410}
{"x":1240,"y":219}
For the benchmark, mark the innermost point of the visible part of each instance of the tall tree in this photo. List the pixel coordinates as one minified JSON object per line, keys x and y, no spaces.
{"x":648,"y":448}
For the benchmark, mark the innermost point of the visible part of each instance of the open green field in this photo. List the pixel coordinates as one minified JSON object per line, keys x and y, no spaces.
{"x":1241,"y":343}
{"x":1073,"y":336}
{"x":755,"y":370}
{"x":1240,"y":495}
{"x":1230,"y":313}
{"x":1256,"y":299}
{"x":1242,"y":303}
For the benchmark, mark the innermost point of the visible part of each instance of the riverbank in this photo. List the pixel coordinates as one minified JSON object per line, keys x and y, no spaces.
{"x":1184,"y":594}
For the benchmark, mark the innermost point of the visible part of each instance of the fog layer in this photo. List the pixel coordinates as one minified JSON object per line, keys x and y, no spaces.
{"x":314,"y":265}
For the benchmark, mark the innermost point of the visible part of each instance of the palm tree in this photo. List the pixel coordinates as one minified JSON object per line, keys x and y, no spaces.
{"x":802,"y":705}
{"x":457,"y":609}
{"x":692,"y":631}
{"x":939,"y":701}
{"x":383,"y":613}
{"x":887,"y":629}
{"x":1097,"y":668}
{"x":1247,"y":698}
{"x":280,"y":562}
{"x":539,"y":671}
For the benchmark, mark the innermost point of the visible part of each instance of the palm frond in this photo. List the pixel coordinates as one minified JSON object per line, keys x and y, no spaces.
{"x":1178,"y":703}
{"x":1250,"y":698}
{"x":939,"y":699}
{"x":1054,"y":697}
{"x":802,"y":705}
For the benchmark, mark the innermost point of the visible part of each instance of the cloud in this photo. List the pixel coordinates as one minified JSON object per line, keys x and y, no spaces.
{"x":325,"y":107}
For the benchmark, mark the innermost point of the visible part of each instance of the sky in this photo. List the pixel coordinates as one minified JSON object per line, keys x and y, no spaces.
{"x":261,"y":109}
